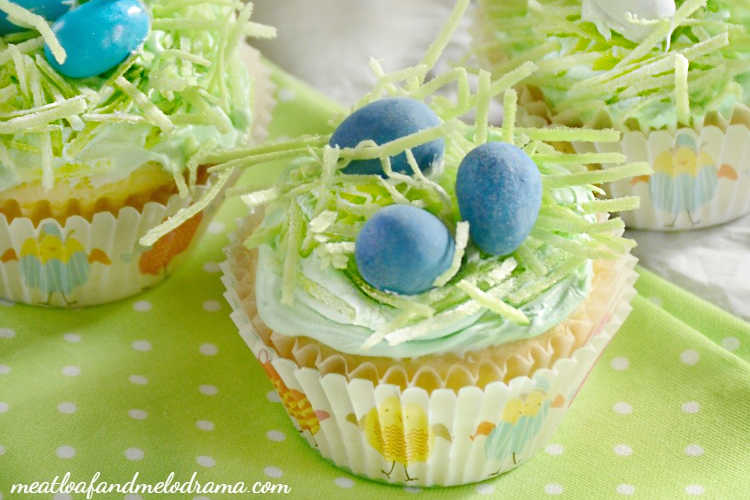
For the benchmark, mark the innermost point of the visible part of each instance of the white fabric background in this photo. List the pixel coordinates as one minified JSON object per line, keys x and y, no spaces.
{"x":328,"y":43}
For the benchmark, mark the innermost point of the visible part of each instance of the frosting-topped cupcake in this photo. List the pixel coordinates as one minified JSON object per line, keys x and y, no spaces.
{"x":673,"y":76}
{"x":102,"y":108}
{"x":412,"y":280}
{"x":624,"y":64}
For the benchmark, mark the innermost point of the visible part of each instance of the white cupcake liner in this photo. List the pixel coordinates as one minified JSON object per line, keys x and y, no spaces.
{"x":449,"y":437}
{"x":715,"y":192}
{"x":83,"y":263}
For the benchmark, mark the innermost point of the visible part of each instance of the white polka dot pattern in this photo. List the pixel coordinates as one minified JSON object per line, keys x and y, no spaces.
{"x":694,"y":450}
{"x":212,"y":306}
{"x":625,"y":489}
{"x":344,"y":482}
{"x":138,"y":380}
{"x":553,"y":489}
{"x":730,"y":343}
{"x":690,"y":357}
{"x":623,"y":450}
{"x":273,"y":472}
{"x":71,"y":371}
{"x":73,"y":338}
{"x":67,"y":407}
{"x":691,"y":407}
{"x":622,"y":408}
{"x":554,"y":449}
{"x":695,"y":489}
{"x":485,"y":489}
{"x":141,"y":345}
{"x":142,"y":306}
{"x":65,"y":452}
{"x":134,"y":454}
{"x":208,"y":390}
{"x":137,"y":414}
{"x":277,"y":436}
{"x":620,"y":363}
{"x":205,"y":425}
{"x":209,"y":349}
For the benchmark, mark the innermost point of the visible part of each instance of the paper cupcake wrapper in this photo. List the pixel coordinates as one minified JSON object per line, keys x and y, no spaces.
{"x":443,"y":437}
{"x":83,"y":263}
{"x":701,"y":177}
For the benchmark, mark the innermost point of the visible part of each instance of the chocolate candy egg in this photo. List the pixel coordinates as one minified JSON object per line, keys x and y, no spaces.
{"x":499,"y":191}
{"x":403,"y":249}
{"x":48,"y":9}
{"x":386,"y":120}
{"x":99,"y":35}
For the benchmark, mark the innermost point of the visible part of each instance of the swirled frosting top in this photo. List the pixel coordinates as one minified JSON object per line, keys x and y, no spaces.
{"x":307,"y":278}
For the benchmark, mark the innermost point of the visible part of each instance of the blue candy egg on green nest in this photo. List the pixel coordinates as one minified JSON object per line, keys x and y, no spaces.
{"x":48,"y":9}
{"x":403,"y":249}
{"x":386,"y":120}
{"x":98,"y":36}
{"x":499,"y":191}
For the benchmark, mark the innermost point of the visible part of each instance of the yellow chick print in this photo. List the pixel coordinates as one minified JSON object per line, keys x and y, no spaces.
{"x":400,"y":433}
{"x":685,"y":178}
{"x":512,"y":411}
{"x":297,"y":406}
{"x":533,"y":404}
{"x":520,"y":421}
{"x":53,"y":263}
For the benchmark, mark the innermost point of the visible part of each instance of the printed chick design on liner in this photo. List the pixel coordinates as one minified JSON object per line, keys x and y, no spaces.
{"x":520,"y":422}
{"x":685,"y":178}
{"x":296,"y":403}
{"x":53,"y":263}
{"x":400,"y":433}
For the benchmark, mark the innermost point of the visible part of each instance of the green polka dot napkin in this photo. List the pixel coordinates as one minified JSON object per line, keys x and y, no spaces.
{"x":163,"y":383}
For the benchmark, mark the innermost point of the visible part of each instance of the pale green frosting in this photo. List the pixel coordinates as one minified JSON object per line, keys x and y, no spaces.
{"x":347,"y":324}
{"x":330,"y":307}
{"x":113,"y":154}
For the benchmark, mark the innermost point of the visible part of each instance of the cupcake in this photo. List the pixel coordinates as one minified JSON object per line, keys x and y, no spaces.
{"x":671,"y":76}
{"x":427,"y":296}
{"x":104,"y":110}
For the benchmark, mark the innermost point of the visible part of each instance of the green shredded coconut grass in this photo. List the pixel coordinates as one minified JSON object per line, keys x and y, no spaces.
{"x":315,"y":209}
{"x":172,"y":80}
{"x":589,"y":79}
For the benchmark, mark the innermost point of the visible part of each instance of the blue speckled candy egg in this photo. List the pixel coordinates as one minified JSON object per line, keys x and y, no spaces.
{"x":48,"y":9}
{"x":499,"y":191}
{"x":386,"y":120}
{"x":403,"y":249}
{"x":99,"y":35}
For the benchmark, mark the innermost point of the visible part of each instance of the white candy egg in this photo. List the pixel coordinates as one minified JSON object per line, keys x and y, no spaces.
{"x":617,"y":15}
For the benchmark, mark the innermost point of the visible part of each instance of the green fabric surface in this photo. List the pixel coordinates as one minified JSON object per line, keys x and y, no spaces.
{"x":163,"y":383}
